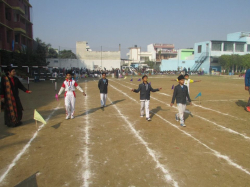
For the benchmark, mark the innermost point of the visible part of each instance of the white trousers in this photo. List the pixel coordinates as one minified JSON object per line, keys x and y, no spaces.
{"x":181,"y":109}
{"x":103,"y":97}
{"x":145,"y":105}
{"x":70,"y":103}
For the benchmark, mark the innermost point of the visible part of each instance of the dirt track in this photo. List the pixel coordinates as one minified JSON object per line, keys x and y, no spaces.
{"x":115,"y":147}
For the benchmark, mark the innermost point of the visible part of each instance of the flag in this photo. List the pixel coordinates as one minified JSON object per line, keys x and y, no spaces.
{"x":172,"y":87}
{"x":199,"y":95}
{"x":56,"y":97}
{"x":139,"y":80}
{"x":131,"y":80}
{"x":38,"y":117}
{"x":125,"y":77}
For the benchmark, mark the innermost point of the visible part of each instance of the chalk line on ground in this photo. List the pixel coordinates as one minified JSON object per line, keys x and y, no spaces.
{"x":151,"y":152}
{"x":86,"y":174}
{"x":20,"y":154}
{"x":216,"y":153}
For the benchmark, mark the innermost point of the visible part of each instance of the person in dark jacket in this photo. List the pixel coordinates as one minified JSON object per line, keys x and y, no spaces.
{"x":103,"y":87}
{"x":180,"y":94}
{"x":247,"y":88}
{"x":145,"y":90}
{"x":13,"y":109}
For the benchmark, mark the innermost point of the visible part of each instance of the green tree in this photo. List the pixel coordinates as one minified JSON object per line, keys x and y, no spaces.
{"x":67,"y":54}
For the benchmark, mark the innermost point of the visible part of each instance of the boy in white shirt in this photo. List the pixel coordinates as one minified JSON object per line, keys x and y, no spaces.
{"x":70,"y":86}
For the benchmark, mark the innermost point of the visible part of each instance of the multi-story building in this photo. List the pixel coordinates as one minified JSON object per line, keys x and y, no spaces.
{"x":155,"y":52}
{"x":206,"y":54}
{"x":16,"y":32}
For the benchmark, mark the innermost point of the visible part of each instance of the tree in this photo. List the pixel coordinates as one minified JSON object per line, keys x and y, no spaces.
{"x":67,"y":54}
{"x":52,"y":53}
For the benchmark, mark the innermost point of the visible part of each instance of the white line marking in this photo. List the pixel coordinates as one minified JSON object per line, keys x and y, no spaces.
{"x":151,"y":152}
{"x":216,"y":153}
{"x":219,"y":100}
{"x":13,"y":163}
{"x":219,"y":112}
{"x":87,"y":174}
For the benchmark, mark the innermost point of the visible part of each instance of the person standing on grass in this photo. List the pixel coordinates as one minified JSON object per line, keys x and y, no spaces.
{"x":70,"y":85}
{"x":103,"y":87}
{"x":13,"y":109}
{"x":145,"y":90}
{"x":180,"y":94}
{"x":247,"y":88}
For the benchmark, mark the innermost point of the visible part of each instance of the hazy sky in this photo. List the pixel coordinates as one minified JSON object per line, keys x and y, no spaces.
{"x":108,"y":23}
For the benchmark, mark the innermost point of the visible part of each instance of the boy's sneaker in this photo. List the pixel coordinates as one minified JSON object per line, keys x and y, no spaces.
{"x":141,"y":116}
{"x":72,"y":117}
{"x":248,"y":108}
{"x":183,"y":125}
{"x":67,"y":117}
{"x":176,"y":117}
{"x":149,"y":119}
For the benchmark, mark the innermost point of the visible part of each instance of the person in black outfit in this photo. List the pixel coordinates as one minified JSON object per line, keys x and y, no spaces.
{"x":103,"y":87}
{"x":145,"y":90}
{"x":180,"y":94}
{"x":13,"y":109}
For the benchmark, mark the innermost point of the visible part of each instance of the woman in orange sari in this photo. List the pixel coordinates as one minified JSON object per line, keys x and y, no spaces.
{"x":13,"y":110}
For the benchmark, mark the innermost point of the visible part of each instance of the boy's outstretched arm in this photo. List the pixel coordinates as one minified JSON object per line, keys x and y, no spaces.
{"x":155,"y":90}
{"x":61,"y":89}
{"x":136,"y":90}
{"x":79,"y":88}
{"x":173,"y":98}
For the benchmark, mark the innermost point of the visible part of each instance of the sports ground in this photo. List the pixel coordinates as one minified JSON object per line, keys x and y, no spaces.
{"x":113,"y":146}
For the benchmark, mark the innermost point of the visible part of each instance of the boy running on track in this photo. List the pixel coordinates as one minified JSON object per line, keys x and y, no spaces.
{"x":103,"y":87}
{"x":247,"y":88}
{"x":145,"y":90}
{"x":180,"y":94}
{"x":70,"y":86}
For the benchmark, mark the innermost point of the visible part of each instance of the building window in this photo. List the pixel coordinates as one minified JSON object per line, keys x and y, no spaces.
{"x":248,"y":48}
{"x":239,"y":47}
{"x":8,"y":34}
{"x":17,"y":38}
{"x":228,"y":46}
{"x":199,"y":48}
{"x":8,"y":15}
{"x":216,"y":46}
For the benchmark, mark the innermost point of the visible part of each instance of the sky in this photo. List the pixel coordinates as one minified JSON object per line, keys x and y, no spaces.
{"x":108,"y":23}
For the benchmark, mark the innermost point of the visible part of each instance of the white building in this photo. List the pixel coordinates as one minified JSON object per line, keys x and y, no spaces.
{"x":86,"y":58}
{"x":155,"y":52}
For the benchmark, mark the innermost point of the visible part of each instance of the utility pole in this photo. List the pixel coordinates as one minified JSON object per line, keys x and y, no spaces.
{"x":101,"y":56}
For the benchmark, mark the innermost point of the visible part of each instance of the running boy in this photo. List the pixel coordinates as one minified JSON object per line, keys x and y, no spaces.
{"x":180,"y":94}
{"x":145,"y":90}
{"x":103,"y":87}
{"x":70,"y":86}
{"x":247,"y":88}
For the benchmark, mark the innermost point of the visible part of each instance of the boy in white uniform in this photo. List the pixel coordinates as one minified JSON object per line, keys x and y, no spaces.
{"x":70,"y":86}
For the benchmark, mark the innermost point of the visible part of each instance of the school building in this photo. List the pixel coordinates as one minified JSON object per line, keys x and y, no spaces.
{"x":206,"y":54}
{"x":16,"y":28}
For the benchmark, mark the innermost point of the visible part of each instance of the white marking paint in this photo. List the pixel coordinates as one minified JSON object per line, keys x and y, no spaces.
{"x":86,"y":174}
{"x":225,"y":114}
{"x":226,"y":100}
{"x":216,"y":153}
{"x":151,"y":152}
{"x":20,"y":154}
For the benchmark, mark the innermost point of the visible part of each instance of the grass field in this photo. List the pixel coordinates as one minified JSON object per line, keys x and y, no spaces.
{"x":113,"y":146}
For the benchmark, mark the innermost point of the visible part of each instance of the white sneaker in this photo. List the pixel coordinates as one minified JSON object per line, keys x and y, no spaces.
{"x":67,"y":117}
{"x":149,"y":119}
{"x":72,"y":117}
{"x":141,"y":116}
